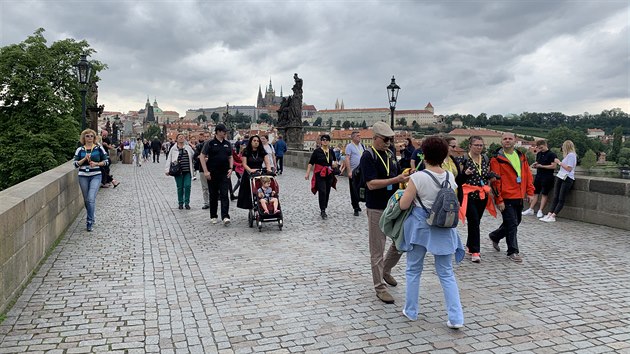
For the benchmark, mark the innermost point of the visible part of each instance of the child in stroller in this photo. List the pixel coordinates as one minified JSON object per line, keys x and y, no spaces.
{"x":265,"y":201}
{"x":266,"y":196}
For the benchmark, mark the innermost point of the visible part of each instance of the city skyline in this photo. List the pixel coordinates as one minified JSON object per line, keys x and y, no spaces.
{"x":495,"y":57}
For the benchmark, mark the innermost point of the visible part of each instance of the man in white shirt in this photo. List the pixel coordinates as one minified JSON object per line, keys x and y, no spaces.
{"x":354,"y":150}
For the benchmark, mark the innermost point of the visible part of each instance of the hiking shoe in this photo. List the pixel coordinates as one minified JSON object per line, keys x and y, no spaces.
{"x":549,"y":218}
{"x":454,"y":326}
{"x":214,"y":220}
{"x":495,"y":244}
{"x":226,"y":221}
{"x":515,"y":257}
{"x":529,"y":211}
{"x":390,"y":280}
{"x":324,"y":215}
{"x":476,"y":258}
{"x":385,"y":297}
{"x":539,"y":214}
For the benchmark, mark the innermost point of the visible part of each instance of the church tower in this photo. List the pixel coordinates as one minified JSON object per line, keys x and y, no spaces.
{"x":259,"y":102}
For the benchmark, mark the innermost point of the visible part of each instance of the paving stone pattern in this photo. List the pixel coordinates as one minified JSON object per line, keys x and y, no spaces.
{"x":152,"y":278}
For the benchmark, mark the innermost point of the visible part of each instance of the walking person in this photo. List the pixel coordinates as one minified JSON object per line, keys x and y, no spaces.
{"x":238,"y":171}
{"x":322,"y":162}
{"x":197,"y":164}
{"x":146,"y":151}
{"x":253,"y":158}
{"x":545,"y":165}
{"x":379,"y":170}
{"x":421,"y":238}
{"x":281,"y":149}
{"x":217,"y":163}
{"x":354,"y":151}
{"x":476,"y":194}
{"x":514,"y":185}
{"x":564,"y":180}
{"x":138,"y":150}
{"x":264,"y":140}
{"x":405,"y":154}
{"x":89,"y":158}
{"x":156,"y":146}
{"x":182,"y":154}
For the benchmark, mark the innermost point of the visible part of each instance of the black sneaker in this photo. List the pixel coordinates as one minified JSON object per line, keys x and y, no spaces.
{"x":187,"y":207}
{"x":324,"y":215}
{"x":205,"y":207}
{"x":356,"y":212}
{"x":181,"y":207}
{"x":495,"y":244}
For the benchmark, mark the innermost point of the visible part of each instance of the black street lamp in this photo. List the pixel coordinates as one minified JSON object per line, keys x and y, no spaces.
{"x":84,"y":70}
{"x":392,"y":94}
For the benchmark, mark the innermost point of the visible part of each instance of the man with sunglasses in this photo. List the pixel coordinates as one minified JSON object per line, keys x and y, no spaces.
{"x":380,"y":172}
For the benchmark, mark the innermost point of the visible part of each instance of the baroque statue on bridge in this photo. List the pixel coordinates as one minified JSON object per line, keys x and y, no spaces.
{"x":290,"y":117}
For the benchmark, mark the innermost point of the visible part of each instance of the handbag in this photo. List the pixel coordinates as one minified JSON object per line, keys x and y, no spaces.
{"x":174,"y":169}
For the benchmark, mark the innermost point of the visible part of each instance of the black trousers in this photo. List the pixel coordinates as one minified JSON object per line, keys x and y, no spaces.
{"x":511,"y":219}
{"x":323,"y":185}
{"x":156,"y":155}
{"x":218,"y":187}
{"x":561,"y":190}
{"x":354,"y":195}
{"x":474,"y":212}
{"x":280,"y":163}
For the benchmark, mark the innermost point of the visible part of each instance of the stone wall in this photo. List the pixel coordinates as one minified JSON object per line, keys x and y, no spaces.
{"x":596,"y":200}
{"x":33,"y":215}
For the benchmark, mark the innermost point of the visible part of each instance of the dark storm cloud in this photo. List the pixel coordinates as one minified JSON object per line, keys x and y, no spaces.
{"x":467,"y":56}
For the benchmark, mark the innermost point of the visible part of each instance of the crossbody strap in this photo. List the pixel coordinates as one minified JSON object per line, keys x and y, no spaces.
{"x":444,"y":184}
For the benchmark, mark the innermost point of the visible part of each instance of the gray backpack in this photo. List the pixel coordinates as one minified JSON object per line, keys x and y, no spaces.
{"x":445,"y":209}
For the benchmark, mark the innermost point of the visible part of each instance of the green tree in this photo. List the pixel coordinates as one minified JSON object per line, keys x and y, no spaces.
{"x":338,"y":123}
{"x":492,"y":148}
{"x":152,"y":132}
{"x":616,"y":146}
{"x":346,"y":124}
{"x":557,"y":136}
{"x":40,"y":105}
{"x":589,"y":160}
{"x":329,"y":122}
{"x":363,"y":125}
{"x":624,"y":157}
{"x":215,"y":117}
{"x":415,"y":126}
{"x":318,"y":122}
{"x":465,"y":144}
{"x":305,"y":123}
{"x":401,"y":122}
{"x":202,"y":118}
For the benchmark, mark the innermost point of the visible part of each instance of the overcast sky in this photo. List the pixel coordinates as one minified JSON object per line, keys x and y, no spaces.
{"x":496,"y":57}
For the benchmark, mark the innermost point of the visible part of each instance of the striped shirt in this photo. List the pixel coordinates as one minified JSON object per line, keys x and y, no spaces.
{"x":97,"y":154}
{"x":184,"y":160}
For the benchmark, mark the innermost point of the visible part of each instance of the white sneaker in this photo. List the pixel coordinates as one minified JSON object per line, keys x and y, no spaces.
{"x":226,"y":221}
{"x":544,"y":218}
{"x":529,"y":211}
{"x":539,"y":214}
{"x":214,"y":220}
{"x":453,"y":326}
{"x":549,"y":218}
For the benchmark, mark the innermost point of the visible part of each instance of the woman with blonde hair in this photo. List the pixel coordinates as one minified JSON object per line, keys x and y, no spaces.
{"x":564,"y":180}
{"x":89,"y":158}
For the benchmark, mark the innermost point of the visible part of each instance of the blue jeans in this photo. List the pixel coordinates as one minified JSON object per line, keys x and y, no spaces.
{"x":89,"y":187}
{"x":444,"y":270}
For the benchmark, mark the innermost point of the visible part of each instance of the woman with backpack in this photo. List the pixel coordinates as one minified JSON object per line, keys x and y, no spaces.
{"x":420,"y":237}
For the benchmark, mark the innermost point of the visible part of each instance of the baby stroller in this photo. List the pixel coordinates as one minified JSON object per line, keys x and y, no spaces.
{"x":256,"y":213}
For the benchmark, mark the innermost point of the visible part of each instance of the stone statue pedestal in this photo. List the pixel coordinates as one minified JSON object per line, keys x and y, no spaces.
{"x":293,"y":136}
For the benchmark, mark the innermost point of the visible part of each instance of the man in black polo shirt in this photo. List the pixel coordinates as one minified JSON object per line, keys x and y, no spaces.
{"x":544,"y":180}
{"x":380,"y":173}
{"x":217,"y":163}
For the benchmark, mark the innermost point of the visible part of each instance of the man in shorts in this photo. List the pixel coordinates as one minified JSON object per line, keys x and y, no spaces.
{"x":544,"y":180}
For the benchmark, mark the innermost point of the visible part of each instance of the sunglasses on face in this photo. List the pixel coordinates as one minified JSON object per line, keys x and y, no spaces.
{"x":325,"y":140}
{"x":386,"y":139}
{"x":89,"y":135}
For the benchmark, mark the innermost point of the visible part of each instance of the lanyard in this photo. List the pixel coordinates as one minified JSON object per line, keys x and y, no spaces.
{"x":477,"y":164}
{"x":327,"y":154}
{"x":359,"y":148}
{"x":380,"y":158}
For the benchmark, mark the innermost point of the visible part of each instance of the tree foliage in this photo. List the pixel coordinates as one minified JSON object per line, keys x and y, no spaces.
{"x":202,"y":118}
{"x":215,"y":117}
{"x":624,"y":157}
{"x":40,"y":105}
{"x":589,"y":160}
{"x":616,"y":147}
{"x":153,"y":132}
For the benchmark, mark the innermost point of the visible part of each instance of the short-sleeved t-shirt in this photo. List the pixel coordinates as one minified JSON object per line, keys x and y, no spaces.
{"x":427,"y":189}
{"x":373,"y":168}
{"x":355,"y":152}
{"x":545,"y":158}
{"x":318,"y":157}
{"x":218,"y":154}
{"x":255,"y":159}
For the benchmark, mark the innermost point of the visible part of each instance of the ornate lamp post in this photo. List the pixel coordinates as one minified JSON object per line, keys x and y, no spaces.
{"x":392,"y":93}
{"x":84,"y":70}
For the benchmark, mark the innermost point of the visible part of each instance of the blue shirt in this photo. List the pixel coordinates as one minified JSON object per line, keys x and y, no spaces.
{"x":355,"y":153}
{"x":281,"y":147}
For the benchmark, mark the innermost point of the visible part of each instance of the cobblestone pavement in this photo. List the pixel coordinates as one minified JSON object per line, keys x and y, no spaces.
{"x":152,"y":278}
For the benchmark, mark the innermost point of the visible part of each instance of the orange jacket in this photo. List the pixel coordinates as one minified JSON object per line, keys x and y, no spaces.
{"x":507,"y":187}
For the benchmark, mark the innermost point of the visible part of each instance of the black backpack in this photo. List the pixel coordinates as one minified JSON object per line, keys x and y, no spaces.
{"x":445,"y":209}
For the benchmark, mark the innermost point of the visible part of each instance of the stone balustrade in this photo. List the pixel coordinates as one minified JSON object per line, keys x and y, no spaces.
{"x":33,"y":215}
